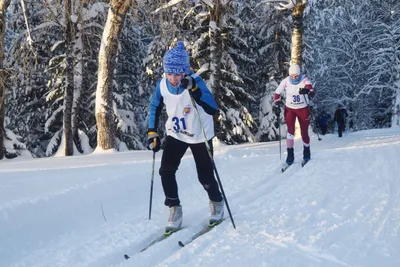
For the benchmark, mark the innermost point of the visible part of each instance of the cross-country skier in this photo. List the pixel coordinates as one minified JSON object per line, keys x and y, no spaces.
{"x":298,"y":90}
{"x":183,"y":130}
{"x":323,"y":121}
{"x":340,"y":118}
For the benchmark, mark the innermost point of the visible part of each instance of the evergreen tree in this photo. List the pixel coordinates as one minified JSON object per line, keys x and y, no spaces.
{"x":217,"y":51}
{"x":128,"y":105}
{"x":339,"y":56}
{"x":383,"y":68}
{"x":272,"y":37}
{"x":26,"y":100}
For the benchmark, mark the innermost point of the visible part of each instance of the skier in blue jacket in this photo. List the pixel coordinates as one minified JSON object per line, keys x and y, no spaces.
{"x":323,"y":120}
{"x":184,"y":130}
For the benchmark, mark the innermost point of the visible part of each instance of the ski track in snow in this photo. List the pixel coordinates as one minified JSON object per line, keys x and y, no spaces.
{"x":341,"y":209}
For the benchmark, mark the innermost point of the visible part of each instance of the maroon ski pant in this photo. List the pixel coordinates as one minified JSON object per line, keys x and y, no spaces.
{"x":303,"y":116}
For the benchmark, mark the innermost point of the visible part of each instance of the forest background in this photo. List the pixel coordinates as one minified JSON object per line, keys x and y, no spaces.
{"x":78,"y":75}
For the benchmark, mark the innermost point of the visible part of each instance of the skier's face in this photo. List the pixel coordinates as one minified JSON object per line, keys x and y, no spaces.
{"x":174,"y":79}
{"x":294,"y":77}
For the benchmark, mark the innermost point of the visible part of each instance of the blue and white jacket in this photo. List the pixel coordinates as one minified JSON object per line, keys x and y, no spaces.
{"x":206,"y":104}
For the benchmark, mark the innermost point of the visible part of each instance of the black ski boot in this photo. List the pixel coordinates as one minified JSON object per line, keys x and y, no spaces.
{"x":290,"y":156}
{"x":306,"y":153}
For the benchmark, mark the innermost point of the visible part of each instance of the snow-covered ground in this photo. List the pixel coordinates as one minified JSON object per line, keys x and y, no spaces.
{"x":341,"y":209}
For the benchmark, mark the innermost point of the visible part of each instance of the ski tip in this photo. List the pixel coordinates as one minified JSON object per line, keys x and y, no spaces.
{"x":168,"y":232}
{"x":285,"y":167}
{"x":126,"y":257}
{"x":181,"y":244}
{"x":212,"y":224}
{"x":304,"y":162}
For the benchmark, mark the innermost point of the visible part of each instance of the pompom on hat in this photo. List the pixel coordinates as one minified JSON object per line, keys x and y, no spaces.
{"x":294,"y":69}
{"x":176,"y":60}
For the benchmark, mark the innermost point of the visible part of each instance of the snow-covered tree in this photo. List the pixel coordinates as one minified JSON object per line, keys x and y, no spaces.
{"x":339,"y":57}
{"x":26,"y":62}
{"x":274,"y":33}
{"x":270,"y":127}
{"x":217,"y":51}
{"x":383,"y":68}
{"x":129,"y":106}
{"x":351,"y":55}
{"x":69,"y":81}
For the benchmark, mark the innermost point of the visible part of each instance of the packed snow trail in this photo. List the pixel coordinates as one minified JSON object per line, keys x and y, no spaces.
{"x":341,"y":209}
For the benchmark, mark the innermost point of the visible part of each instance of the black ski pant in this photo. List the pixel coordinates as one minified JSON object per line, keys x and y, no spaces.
{"x":340,"y":129}
{"x":173,"y":152}
{"x":323,"y":129}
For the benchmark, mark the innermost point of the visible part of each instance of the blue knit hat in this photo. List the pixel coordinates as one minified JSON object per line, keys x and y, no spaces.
{"x":176,"y":60}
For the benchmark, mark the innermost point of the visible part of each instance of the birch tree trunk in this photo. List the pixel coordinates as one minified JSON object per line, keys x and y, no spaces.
{"x":297,"y":16}
{"x":215,"y":46}
{"x":3,"y":75}
{"x":69,"y":89}
{"x":108,"y":50}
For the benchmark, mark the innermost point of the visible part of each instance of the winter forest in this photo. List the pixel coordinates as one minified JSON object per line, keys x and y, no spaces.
{"x":78,"y":75}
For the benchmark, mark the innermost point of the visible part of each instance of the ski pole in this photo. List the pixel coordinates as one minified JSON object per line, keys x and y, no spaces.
{"x":212,"y":161}
{"x":278,"y":118}
{"x":151,"y":185}
{"x":312,"y":116}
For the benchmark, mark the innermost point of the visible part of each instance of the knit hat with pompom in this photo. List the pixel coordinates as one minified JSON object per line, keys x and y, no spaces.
{"x":176,"y":60}
{"x":294,"y":69}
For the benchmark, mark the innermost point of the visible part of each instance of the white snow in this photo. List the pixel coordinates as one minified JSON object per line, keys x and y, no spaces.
{"x":341,"y":209}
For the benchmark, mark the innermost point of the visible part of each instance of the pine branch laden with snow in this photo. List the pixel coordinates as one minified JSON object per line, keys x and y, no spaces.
{"x":53,"y":118}
{"x":54,"y":143}
{"x":284,"y":4}
{"x":13,"y":147}
{"x":268,"y":128}
{"x":168,"y":5}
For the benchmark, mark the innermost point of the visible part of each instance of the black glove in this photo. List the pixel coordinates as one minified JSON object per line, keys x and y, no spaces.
{"x":278,"y":103}
{"x":153,"y":141}
{"x":304,"y":91}
{"x":189,"y":83}
{"x":277,"y":110}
